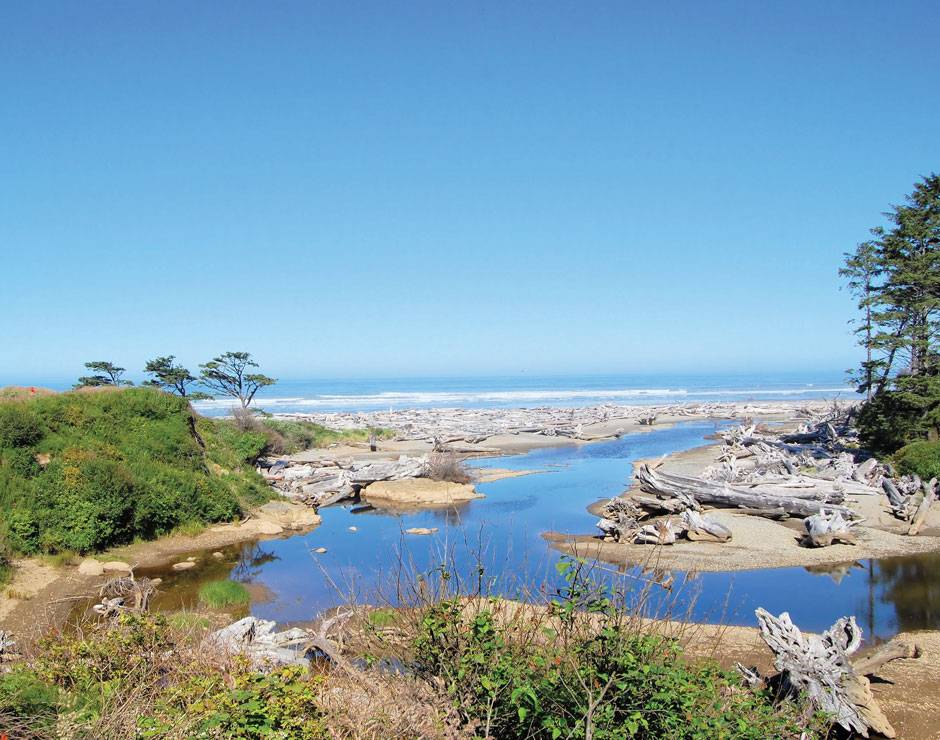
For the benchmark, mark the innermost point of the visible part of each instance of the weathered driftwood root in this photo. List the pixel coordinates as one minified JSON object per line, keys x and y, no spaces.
{"x":910,"y":499}
{"x":818,"y":667}
{"x":663,"y":532}
{"x":124,"y":594}
{"x":721,"y":494}
{"x":700,"y":528}
{"x":826,"y":527}
{"x":620,"y":519}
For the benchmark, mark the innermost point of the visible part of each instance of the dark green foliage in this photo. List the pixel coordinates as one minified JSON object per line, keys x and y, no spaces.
{"x":919,"y":458}
{"x":19,"y":426}
{"x":896,"y":278}
{"x":27,"y":699}
{"x":117,"y":465}
{"x":592,"y":674}
{"x":230,"y":375}
{"x":172,"y":378}
{"x":105,"y":373}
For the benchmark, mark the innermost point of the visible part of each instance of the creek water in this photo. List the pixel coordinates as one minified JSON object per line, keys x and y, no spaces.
{"x":368,"y":552}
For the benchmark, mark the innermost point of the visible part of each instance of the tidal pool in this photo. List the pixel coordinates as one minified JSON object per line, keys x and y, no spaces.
{"x":502,"y":532}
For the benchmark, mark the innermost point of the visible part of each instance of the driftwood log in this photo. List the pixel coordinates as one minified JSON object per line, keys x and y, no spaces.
{"x":826,"y":527}
{"x":701,"y":528}
{"x":819,"y":668}
{"x":721,"y":494}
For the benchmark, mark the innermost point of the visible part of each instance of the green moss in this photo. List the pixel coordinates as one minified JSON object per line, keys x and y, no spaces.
{"x":220,"y":594}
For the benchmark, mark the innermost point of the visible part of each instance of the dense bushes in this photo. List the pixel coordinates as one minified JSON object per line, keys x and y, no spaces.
{"x":84,"y":471}
{"x":919,"y":458}
{"x":140,"y":678}
{"x":583,"y":669}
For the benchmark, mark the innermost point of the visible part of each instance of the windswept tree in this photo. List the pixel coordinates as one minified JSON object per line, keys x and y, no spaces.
{"x":230,"y":375}
{"x":105,"y":373}
{"x":172,"y":377}
{"x":896,"y":278}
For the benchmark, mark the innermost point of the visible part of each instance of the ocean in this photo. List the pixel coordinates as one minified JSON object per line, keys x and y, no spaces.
{"x":380,"y":394}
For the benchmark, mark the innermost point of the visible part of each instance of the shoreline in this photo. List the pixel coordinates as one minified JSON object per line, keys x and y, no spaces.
{"x":47,"y":587}
{"x":756,"y":543}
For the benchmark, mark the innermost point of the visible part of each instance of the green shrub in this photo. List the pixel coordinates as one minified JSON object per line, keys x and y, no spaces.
{"x":592,"y":674}
{"x":121,"y":464}
{"x":246,"y":704}
{"x":219,"y":594}
{"x":919,"y":458}
{"x":19,"y":427}
{"x":27,"y":699}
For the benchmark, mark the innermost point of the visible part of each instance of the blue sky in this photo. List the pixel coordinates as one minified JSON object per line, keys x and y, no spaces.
{"x":355,"y":189}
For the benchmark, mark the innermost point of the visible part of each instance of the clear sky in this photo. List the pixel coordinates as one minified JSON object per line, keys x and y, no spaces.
{"x":459,"y":188}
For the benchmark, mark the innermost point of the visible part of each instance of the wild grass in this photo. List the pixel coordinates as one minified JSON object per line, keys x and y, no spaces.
{"x":220,"y":594}
{"x":451,"y":661}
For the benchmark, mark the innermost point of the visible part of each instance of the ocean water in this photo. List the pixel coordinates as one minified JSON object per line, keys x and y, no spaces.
{"x":380,"y":394}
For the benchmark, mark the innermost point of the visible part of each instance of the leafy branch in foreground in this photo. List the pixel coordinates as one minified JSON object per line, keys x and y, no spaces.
{"x":229,"y":375}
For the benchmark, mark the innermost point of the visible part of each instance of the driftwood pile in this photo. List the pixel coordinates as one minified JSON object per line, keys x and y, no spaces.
{"x":126,"y":594}
{"x":475,"y":425}
{"x":329,"y":481}
{"x":910,"y":499}
{"x":813,"y":473}
{"x":820,"y":668}
{"x":622,"y":518}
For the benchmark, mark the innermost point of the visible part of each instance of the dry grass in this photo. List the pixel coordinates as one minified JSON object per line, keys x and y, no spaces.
{"x":446,"y":466}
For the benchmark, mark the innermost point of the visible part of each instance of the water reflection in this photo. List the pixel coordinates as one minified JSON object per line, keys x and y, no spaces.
{"x":912,"y":586}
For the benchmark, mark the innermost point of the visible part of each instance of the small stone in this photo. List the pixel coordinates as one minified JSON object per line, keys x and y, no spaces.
{"x":320,"y":550}
{"x":421,"y":530}
{"x":185,"y":565}
{"x":218,"y":555}
{"x":156,"y":581}
{"x":116,"y":565}
{"x":191,"y":559}
{"x":354,"y":529}
{"x":91,"y":567}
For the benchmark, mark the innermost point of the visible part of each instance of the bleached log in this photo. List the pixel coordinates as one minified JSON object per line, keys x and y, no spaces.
{"x":663,"y":532}
{"x":928,"y":496}
{"x":700,"y":528}
{"x":818,"y":667}
{"x":706,"y":492}
{"x":826,"y":527}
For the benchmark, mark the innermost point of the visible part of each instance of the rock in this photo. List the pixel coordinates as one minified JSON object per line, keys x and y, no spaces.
{"x":421,"y":530}
{"x":419,"y":492}
{"x":320,"y":550}
{"x":156,"y":581}
{"x":218,"y":555}
{"x":288,"y":515}
{"x":116,"y":566}
{"x":185,"y":565}
{"x":192,"y":559}
{"x":91,"y":567}
{"x":264,"y":527}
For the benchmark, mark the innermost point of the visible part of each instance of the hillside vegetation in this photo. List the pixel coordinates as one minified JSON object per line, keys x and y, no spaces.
{"x":83,"y":471}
